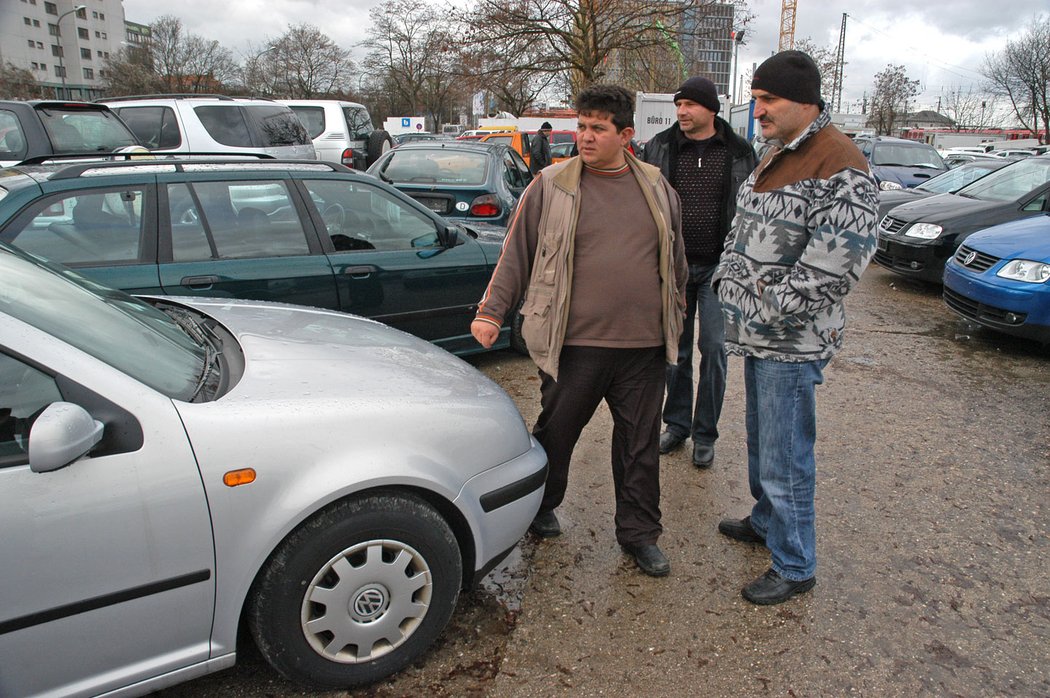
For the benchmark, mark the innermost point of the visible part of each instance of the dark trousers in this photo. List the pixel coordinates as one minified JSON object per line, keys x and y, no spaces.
{"x":631,"y":381}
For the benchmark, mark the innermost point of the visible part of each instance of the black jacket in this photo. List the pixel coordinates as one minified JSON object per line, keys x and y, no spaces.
{"x":662,"y":151}
{"x":539,"y":152}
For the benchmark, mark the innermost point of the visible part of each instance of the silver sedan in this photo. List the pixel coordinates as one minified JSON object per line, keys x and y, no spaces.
{"x":169,"y":468}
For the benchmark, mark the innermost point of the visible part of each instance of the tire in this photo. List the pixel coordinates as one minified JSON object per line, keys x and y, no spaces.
{"x":378,"y":143}
{"x":390,"y":569}
{"x":517,"y":342}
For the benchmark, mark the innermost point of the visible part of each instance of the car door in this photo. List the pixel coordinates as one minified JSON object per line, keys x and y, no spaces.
{"x":105,"y":233}
{"x":391,"y":263}
{"x":240,"y":238}
{"x":108,"y":573}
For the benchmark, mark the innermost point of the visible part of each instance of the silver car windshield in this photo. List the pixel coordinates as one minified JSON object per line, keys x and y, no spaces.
{"x":1010,"y":183}
{"x":110,"y":325}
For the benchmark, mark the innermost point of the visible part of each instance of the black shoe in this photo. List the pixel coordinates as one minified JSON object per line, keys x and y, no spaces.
{"x":703,"y":455}
{"x":545,"y":525}
{"x":740,"y":529}
{"x":649,"y":559}
{"x":669,"y":441}
{"x":771,"y":588}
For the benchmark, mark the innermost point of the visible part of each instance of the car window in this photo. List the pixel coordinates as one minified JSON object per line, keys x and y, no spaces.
{"x":12,"y":139}
{"x":906,"y":155}
{"x":358,"y":122}
{"x":359,"y":216}
{"x":511,"y":173}
{"x":155,"y":126}
{"x":24,"y":393}
{"x":437,"y":166}
{"x":562,"y":137}
{"x":111,"y":326}
{"x":85,"y":130}
{"x":85,"y":229}
{"x":1010,"y":183}
{"x":523,"y":170}
{"x":1037,"y":204}
{"x":952,"y":180}
{"x":277,"y":125}
{"x":312,"y":118}
{"x":505,"y":140}
{"x":233,"y":220}
{"x":226,"y":124}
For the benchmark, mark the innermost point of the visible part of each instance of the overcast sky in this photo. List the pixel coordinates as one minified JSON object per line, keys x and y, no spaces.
{"x":942,"y":43}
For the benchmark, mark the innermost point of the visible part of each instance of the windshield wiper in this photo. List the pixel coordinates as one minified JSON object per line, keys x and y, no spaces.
{"x":206,"y":338}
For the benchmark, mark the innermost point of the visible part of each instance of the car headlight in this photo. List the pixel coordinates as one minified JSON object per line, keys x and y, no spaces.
{"x":887,"y":185}
{"x":1025,"y":270}
{"x":926,"y":231}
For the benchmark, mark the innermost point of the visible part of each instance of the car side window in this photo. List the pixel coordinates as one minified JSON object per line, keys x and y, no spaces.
{"x":312,"y":118}
{"x":234,"y":220}
{"x":12,"y":139}
{"x":511,"y":173}
{"x":156,"y":126}
{"x":523,"y":170}
{"x":24,"y":393}
{"x":85,"y":229}
{"x":1039,"y":203}
{"x":225,"y":124}
{"x":359,"y":216}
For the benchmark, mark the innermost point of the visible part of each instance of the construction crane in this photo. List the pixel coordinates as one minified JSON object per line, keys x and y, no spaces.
{"x":787,"y":25}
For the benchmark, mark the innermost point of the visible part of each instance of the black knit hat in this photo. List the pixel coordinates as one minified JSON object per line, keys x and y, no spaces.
{"x":789,"y":74}
{"x":546,"y":126}
{"x":700,"y":90}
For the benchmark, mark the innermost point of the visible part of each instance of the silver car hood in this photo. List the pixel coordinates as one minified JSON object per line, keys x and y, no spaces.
{"x":318,"y":381}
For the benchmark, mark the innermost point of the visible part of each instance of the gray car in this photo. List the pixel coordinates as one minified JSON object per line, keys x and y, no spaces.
{"x":171,"y":468}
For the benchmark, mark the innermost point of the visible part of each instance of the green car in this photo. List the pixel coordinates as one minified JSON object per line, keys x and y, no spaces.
{"x":310,"y":233}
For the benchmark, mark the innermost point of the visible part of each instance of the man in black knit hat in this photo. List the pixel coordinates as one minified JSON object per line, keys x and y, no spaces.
{"x":705,"y":161}
{"x":540,"y":148}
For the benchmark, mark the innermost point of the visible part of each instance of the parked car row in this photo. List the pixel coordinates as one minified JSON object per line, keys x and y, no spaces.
{"x":988,"y":242}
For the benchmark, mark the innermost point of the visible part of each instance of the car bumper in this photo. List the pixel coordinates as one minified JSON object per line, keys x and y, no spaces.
{"x":920,"y":261}
{"x":1020,"y":312}
{"x":501,"y":503}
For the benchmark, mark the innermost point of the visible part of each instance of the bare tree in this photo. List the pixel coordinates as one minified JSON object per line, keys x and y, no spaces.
{"x":304,"y":63}
{"x":580,"y":37}
{"x":492,"y":69}
{"x":1021,"y":74}
{"x":826,"y":59}
{"x":130,"y":72}
{"x":889,"y":102}
{"x":187,"y":62}
{"x":18,"y":83}
{"x":968,"y":108}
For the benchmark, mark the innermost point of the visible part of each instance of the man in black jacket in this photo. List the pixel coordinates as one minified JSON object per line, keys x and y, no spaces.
{"x":706,"y":162}
{"x":540,"y":149}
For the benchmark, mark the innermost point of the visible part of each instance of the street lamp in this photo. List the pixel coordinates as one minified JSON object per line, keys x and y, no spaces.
{"x":62,"y":48}
{"x":737,"y":37}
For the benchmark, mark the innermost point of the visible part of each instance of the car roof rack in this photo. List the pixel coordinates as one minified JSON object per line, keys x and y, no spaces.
{"x":180,"y":163}
{"x":181,"y":95}
{"x":137,"y":155}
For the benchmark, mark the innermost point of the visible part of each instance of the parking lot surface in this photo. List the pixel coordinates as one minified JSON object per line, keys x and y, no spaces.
{"x":932,"y":454}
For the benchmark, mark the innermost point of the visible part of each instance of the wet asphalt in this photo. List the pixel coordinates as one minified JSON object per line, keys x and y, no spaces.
{"x":933,"y":459}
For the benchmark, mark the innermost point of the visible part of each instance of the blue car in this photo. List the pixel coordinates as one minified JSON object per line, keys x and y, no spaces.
{"x":1000,"y":278}
{"x":897,"y":163}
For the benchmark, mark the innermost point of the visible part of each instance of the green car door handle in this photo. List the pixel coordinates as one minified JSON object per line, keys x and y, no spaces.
{"x":199,"y":281}
{"x":359,"y":272}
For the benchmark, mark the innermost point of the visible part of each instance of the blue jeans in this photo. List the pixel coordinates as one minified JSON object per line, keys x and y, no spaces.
{"x":679,"y":415}
{"x":782,"y":473}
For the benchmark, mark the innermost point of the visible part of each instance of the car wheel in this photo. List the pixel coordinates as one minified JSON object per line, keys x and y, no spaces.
{"x":517,"y":342}
{"x":357,"y":592}
{"x":378,"y":143}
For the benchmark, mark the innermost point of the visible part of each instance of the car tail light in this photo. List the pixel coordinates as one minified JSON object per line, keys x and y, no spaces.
{"x":484,"y":205}
{"x":347,"y":158}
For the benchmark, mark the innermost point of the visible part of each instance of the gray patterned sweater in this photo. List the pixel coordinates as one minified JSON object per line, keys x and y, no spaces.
{"x":803,"y":233}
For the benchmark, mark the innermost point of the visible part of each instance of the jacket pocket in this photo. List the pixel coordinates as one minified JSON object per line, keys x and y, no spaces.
{"x":536,"y":320}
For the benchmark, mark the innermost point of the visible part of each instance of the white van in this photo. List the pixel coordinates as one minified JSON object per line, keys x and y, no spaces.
{"x":196,"y":123}
{"x":342,"y":132}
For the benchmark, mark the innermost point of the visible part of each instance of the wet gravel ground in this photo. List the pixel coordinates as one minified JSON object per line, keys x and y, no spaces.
{"x":933,"y":453}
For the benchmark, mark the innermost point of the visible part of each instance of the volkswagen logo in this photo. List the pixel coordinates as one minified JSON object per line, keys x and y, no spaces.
{"x":370,"y":604}
{"x":968,"y":259}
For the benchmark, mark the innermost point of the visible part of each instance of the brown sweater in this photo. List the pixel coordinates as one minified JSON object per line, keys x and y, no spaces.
{"x":615,"y":300}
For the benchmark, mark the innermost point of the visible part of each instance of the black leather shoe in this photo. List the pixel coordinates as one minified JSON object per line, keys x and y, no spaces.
{"x":545,"y":525}
{"x":703,"y":455}
{"x":771,"y":588}
{"x":669,"y":441}
{"x":740,"y":529}
{"x":649,"y":559}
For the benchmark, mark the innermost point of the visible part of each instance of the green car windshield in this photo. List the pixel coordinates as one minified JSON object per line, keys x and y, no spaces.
{"x":110,"y":325}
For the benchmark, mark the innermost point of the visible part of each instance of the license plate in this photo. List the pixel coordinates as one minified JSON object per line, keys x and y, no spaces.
{"x":435,"y":205}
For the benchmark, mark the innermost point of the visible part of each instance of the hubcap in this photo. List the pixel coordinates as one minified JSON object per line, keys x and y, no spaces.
{"x":366,"y":601}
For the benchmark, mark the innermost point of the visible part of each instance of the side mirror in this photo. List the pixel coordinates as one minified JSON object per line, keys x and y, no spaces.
{"x":61,"y":434}
{"x":450,"y":236}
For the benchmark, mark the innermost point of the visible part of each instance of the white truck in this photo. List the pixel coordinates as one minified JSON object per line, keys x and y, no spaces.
{"x":653,"y":112}
{"x":396,"y":125}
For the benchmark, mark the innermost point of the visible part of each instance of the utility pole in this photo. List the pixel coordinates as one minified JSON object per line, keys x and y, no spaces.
{"x":62,"y":48}
{"x":836,"y":89}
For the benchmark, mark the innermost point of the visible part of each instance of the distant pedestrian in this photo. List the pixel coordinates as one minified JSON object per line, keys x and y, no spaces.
{"x":540,"y":148}
{"x":706,"y":162}
{"x":595,"y":250}
{"x":804,"y":232}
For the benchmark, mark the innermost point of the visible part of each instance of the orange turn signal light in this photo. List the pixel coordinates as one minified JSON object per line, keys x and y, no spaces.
{"x":244,"y":476}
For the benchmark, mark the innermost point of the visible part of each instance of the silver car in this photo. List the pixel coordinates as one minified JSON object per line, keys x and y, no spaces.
{"x":169,"y":468}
